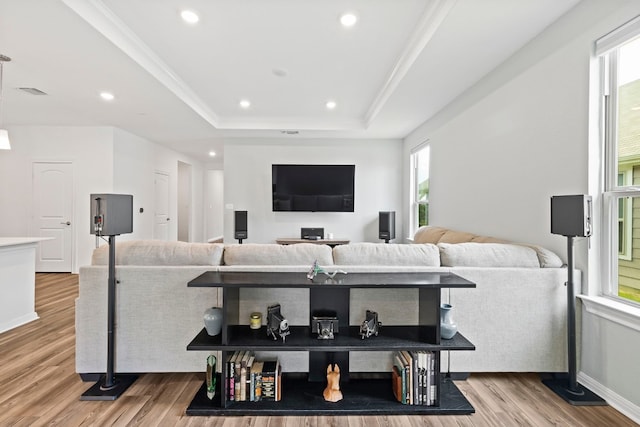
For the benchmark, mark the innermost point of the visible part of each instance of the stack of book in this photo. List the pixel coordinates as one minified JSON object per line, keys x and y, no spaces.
{"x":414,"y":378}
{"x":249,"y":379}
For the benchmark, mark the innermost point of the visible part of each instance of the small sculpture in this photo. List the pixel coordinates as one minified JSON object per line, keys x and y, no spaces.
{"x":276,"y":323}
{"x":370,"y":326}
{"x":332,"y":393}
{"x":315,"y":269}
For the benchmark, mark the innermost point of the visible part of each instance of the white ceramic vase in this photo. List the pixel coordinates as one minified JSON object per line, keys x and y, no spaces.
{"x":447,"y":326}
{"x":213,"y":320}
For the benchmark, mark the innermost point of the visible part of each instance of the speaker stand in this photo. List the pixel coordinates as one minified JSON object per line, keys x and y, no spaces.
{"x":110,"y":387}
{"x":568,"y":388}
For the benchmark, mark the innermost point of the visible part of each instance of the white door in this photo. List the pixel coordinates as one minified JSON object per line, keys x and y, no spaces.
{"x":161,"y":212}
{"x":53,"y":215}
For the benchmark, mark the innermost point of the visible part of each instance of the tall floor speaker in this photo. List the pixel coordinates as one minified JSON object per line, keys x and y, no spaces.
{"x":240,"y":225}
{"x":387,"y":225}
{"x":571,"y":217}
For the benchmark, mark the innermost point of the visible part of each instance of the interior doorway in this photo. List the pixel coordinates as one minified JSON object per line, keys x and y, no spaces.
{"x":53,"y":215}
{"x":161,"y":206}
{"x":184,"y":202}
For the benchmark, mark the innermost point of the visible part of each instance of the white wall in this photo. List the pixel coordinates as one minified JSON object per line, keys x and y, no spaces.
{"x":90,"y":149}
{"x":133,"y":165}
{"x":214,"y":203}
{"x":519,"y":136}
{"x":247,"y":186}
{"x":184,"y":202}
{"x":104,"y":160}
{"x":135,"y":162}
{"x":166,"y":160}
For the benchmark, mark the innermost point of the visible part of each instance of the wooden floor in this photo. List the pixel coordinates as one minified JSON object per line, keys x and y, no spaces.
{"x":38,"y":386}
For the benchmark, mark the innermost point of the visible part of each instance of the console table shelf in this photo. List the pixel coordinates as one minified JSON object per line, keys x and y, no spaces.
{"x":366,"y":393}
{"x":301,"y":339}
{"x":361,"y":397}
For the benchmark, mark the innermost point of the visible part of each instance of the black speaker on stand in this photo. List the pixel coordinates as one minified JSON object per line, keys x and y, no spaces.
{"x":240,"y":225}
{"x":571,"y":217}
{"x":387,"y":225}
{"x":111,"y":215}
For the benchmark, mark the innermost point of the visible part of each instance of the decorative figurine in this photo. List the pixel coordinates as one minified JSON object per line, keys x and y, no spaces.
{"x":315,"y":269}
{"x":211,"y":376}
{"x":370,"y":326}
{"x":332,"y":393}
{"x":276,"y":323}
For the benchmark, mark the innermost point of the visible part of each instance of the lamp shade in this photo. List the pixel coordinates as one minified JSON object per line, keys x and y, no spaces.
{"x":4,"y":140}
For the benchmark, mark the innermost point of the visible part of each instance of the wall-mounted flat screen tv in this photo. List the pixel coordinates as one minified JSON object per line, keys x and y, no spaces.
{"x":313,"y":188}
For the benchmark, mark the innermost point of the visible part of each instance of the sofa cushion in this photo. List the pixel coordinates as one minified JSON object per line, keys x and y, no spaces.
{"x":387,"y":254}
{"x":474,"y":254}
{"x":433,"y":234}
{"x":429,"y":234}
{"x":160,"y":252}
{"x":547,"y":258}
{"x":273,"y":254}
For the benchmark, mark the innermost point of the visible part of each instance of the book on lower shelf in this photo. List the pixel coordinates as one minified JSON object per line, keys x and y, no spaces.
{"x":252,"y":380}
{"x":271,"y":380}
{"x":413,"y":377}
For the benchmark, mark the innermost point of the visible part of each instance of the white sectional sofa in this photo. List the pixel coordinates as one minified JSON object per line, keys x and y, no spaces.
{"x":516,"y":316}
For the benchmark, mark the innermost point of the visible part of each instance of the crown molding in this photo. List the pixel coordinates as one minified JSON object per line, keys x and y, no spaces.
{"x":296,"y":123}
{"x":100,"y":17}
{"x":431,"y":19}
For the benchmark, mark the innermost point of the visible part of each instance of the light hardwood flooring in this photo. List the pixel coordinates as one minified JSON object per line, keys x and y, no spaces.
{"x":39,"y":386}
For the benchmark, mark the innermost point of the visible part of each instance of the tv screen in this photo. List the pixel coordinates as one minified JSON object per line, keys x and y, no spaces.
{"x":313,"y":188}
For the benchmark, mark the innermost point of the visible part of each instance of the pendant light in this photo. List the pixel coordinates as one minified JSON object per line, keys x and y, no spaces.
{"x":4,"y":135}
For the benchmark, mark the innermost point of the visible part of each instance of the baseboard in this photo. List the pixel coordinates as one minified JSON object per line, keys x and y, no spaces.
{"x":621,"y":404}
{"x":22,"y":320}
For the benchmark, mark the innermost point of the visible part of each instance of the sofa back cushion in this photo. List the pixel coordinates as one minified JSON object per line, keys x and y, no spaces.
{"x":159,"y":252}
{"x":273,"y":254}
{"x":433,"y":234}
{"x":425,"y":255}
{"x":487,"y":255}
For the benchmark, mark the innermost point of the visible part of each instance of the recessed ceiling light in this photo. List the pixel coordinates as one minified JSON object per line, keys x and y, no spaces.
{"x":212,"y":153}
{"x":189,"y":16}
{"x":245,"y":104}
{"x":348,"y":20}
{"x":107,"y":96}
{"x":331,"y":105}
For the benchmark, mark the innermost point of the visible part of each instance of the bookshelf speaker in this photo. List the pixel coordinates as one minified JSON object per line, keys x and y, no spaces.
{"x":240,"y":225}
{"x":387,"y":225}
{"x":571,"y":215}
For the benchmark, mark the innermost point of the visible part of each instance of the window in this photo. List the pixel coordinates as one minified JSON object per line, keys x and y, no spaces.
{"x":619,"y":56}
{"x":420,"y":187}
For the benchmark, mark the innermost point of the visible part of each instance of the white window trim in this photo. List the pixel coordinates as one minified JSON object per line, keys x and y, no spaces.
{"x":608,"y":305}
{"x":628,"y":215}
{"x":615,"y":311}
{"x":414,"y":185}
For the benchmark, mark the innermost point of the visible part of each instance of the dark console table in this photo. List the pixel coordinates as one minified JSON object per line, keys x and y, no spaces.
{"x":330,"y":242}
{"x":369,"y":394}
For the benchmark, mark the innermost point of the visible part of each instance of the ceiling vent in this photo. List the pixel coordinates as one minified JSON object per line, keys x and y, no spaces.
{"x":32,"y":90}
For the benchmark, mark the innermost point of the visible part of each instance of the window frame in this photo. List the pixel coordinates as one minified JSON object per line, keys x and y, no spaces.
{"x":607,"y":53}
{"x":415,"y":197}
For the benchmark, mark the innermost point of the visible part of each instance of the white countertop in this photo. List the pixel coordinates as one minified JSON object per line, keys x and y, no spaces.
{"x":15,"y":241}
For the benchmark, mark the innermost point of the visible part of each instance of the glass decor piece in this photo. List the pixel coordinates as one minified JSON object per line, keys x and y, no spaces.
{"x":211,"y":376}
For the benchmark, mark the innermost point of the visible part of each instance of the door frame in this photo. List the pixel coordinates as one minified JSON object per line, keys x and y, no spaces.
{"x":33,"y":229}
{"x":155,"y":205}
